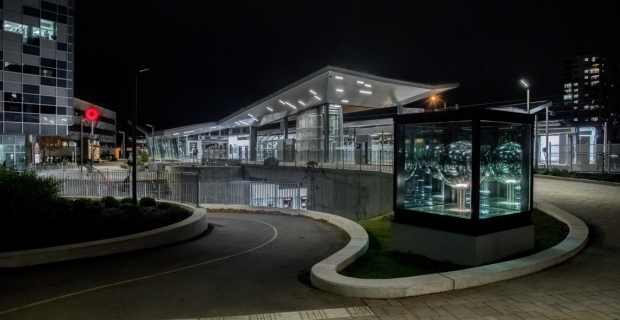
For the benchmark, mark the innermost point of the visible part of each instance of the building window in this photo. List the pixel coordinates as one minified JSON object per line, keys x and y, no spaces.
{"x":586,"y":59}
{"x":594,"y":77}
{"x":594,"y":70}
{"x":567,"y":85}
{"x":585,"y":71}
{"x":575,"y":90}
{"x":576,"y":119}
{"x":575,"y":84}
{"x":567,"y":97}
{"x":594,"y":119}
{"x":585,"y":77}
{"x":12,"y":66}
{"x":594,"y":83}
{"x":576,"y":96}
{"x":48,"y":29}
{"x":586,"y":83}
{"x":594,"y":59}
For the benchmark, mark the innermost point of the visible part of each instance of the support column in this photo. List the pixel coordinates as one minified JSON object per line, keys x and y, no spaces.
{"x":326,"y":150}
{"x":284,"y":127}
{"x":253,"y":138}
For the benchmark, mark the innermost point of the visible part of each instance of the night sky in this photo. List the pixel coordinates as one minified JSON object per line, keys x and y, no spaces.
{"x":210,"y":58}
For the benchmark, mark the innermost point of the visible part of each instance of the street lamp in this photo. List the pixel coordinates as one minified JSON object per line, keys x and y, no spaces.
{"x":435,"y":98}
{"x":527,"y":86}
{"x":123,"y":144}
{"x":153,"y":140}
{"x":134,"y":151}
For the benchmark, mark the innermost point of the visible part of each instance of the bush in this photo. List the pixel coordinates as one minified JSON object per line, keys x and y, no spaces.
{"x":129,"y":207}
{"x":147,"y":202}
{"x":126,"y":200}
{"x":80,"y":204}
{"x":176,"y":213}
{"x":92,"y":210}
{"x":24,"y":195}
{"x":562,"y":173}
{"x":164,"y":206}
{"x":110,"y":202}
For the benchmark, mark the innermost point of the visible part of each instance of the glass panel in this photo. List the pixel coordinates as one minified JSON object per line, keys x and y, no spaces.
{"x":48,"y":29}
{"x":435,"y":167}
{"x":505,"y":168}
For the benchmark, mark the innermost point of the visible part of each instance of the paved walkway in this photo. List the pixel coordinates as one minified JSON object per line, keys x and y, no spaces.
{"x":585,"y":287}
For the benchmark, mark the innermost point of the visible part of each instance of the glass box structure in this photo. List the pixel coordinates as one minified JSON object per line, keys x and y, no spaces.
{"x":467,"y":171}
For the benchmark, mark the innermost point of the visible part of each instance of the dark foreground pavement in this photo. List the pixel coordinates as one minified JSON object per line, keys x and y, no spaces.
{"x":272,"y":278}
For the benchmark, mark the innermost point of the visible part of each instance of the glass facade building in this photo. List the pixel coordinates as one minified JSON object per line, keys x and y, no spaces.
{"x":36,"y":84}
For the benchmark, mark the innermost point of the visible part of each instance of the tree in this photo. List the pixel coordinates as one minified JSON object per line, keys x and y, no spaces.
{"x":47,"y":144}
{"x":311,"y":173}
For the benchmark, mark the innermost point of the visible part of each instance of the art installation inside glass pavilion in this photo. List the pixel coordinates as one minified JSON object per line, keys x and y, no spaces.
{"x":467,"y":172}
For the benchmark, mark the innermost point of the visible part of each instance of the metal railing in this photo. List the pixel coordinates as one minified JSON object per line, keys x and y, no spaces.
{"x":582,"y":158}
{"x":347,"y":159}
{"x":179,"y":187}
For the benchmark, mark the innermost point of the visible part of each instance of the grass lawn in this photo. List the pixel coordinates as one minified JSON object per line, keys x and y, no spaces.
{"x":380,"y":262}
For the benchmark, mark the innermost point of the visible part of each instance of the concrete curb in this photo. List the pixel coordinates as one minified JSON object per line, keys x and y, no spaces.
{"x":194,"y":225}
{"x":606,"y":183}
{"x":324,"y":275}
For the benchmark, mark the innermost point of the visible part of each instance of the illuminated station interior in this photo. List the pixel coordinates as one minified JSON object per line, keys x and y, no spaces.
{"x":323,"y":117}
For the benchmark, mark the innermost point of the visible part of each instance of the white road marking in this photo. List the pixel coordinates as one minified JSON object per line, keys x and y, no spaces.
{"x":275,"y":235}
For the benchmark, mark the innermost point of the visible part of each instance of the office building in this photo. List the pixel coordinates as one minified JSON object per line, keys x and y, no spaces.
{"x":36,"y":84}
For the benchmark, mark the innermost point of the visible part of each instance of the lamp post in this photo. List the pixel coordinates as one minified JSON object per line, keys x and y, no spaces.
{"x":434,"y":98}
{"x":123,"y":144}
{"x":153,"y":140}
{"x":527,"y":86}
{"x":134,"y":151}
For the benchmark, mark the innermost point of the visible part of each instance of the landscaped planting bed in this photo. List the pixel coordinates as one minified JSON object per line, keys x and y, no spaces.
{"x":380,"y":262}
{"x":83,"y":220}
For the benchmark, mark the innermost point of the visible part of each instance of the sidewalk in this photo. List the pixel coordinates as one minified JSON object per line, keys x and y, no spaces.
{"x":585,"y":287}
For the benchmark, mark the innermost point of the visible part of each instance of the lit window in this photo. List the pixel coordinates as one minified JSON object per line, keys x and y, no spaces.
{"x":575,"y":107}
{"x":594,"y":119}
{"x":576,"y":119}
{"x":48,"y":29}
{"x":567,"y":97}
{"x":594,"y":70}
{"x":567,"y":85}
{"x":586,"y":83}
{"x":585,"y":77}
{"x":586,"y":59}
{"x":594,"y":59}
{"x":585,"y":71}
{"x":594,"y":77}
{"x":13,"y":27}
{"x":575,"y":90}
{"x":594,"y":83}
{"x":575,"y":96}
{"x":575,"y":84}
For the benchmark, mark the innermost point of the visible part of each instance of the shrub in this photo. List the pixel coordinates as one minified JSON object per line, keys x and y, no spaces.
{"x":80,"y":204}
{"x":92,"y":210}
{"x":129,"y":207}
{"x":110,"y":202}
{"x":126,"y":200}
{"x":176,"y":213}
{"x":164,"y":206}
{"x":147,"y":202}
{"x":25,"y":195}
{"x":562,"y":173}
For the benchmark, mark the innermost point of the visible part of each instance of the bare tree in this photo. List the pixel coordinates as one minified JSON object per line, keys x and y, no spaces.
{"x":47,"y":144}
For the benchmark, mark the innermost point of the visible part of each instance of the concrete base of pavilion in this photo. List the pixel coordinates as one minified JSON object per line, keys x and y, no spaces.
{"x":462,"y":249}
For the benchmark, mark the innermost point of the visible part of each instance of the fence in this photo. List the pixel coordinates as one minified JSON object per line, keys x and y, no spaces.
{"x":582,"y":157}
{"x":348,"y":159}
{"x":180,"y":187}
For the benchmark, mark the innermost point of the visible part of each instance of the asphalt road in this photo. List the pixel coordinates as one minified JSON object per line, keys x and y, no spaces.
{"x":237,"y":267}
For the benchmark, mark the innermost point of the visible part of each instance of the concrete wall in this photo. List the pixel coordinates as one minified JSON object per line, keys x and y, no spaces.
{"x":210,"y":174}
{"x":355,"y":195}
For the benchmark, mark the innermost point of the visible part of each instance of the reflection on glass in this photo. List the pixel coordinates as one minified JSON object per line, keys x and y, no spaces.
{"x":436,"y":168}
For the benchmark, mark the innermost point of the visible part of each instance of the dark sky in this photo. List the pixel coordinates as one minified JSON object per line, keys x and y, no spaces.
{"x":211,"y":58}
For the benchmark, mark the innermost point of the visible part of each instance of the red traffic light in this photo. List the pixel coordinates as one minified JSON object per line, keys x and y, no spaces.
{"x":92,"y":114}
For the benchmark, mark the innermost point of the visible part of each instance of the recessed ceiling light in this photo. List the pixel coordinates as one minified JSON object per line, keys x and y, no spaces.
{"x":269,"y":109}
{"x":301,"y":102}
{"x":337,"y":77}
{"x":291,"y":105}
{"x":367,"y":85}
{"x":360,"y":82}
{"x":345,"y":100}
{"x":339,"y":90}
{"x":317,"y":98}
{"x":282,"y":102}
{"x":250,"y":115}
{"x":366,"y":92}
{"x":312,"y":92}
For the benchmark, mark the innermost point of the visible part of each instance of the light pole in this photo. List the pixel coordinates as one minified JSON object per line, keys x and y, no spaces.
{"x":434,"y":98}
{"x":134,"y":150}
{"x":123,"y":144}
{"x":527,"y":86}
{"x":153,"y":140}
